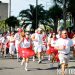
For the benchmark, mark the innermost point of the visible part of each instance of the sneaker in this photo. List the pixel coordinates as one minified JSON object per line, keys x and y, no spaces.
{"x":49,"y":59}
{"x":39,"y":62}
{"x":26,"y":69}
{"x":33,"y":59}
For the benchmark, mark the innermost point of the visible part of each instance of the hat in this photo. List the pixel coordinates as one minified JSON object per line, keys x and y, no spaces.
{"x":20,"y":30}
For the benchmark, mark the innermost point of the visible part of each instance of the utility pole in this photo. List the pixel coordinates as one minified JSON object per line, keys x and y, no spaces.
{"x":64,"y":12}
{"x":9,"y":8}
{"x":36,"y":14}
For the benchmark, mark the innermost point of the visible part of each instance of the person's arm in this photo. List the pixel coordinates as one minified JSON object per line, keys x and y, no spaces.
{"x":49,"y":42}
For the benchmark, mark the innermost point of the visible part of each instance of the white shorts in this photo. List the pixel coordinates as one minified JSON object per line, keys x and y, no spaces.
{"x":44,"y":48}
{"x":38,"y":49}
{"x":63,"y":58}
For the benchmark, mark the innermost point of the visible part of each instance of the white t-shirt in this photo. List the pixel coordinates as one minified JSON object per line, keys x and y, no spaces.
{"x":73,"y":42}
{"x":17,"y":36}
{"x":38,"y":39}
{"x":25,"y":44}
{"x":64,"y":42}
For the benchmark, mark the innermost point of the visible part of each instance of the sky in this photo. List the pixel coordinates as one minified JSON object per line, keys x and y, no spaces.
{"x":18,"y":5}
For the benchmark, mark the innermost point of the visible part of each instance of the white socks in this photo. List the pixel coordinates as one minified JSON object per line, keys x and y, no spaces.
{"x":22,"y":63}
{"x":26,"y":64}
{"x":33,"y":58}
{"x":49,"y":57}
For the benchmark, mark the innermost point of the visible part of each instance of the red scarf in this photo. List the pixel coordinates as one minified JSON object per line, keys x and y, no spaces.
{"x":54,"y":39}
{"x":27,"y":39}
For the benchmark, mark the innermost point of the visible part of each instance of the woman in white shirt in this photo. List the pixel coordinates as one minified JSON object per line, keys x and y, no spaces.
{"x":50,"y":46}
{"x":26,"y":50}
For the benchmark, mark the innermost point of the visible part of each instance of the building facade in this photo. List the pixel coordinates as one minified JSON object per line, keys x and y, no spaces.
{"x":3,"y":11}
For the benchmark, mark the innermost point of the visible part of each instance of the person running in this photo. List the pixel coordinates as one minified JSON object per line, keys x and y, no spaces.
{"x":63,"y":45}
{"x":25,"y":49}
{"x":73,"y":39}
{"x":12,"y":45}
{"x":51,"y":51}
{"x":17,"y":40}
{"x":38,"y":44}
{"x":4,"y":42}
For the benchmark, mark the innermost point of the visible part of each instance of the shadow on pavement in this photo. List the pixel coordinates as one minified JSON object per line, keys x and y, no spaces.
{"x":3,"y":68}
{"x":35,"y":69}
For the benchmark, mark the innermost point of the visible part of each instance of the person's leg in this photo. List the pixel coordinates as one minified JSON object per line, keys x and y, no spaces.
{"x":48,"y":57}
{"x":62,"y":62}
{"x":39,"y":54}
{"x":17,"y":53}
{"x":43,"y":52}
{"x":26,"y":64}
{"x":74,"y":52}
{"x":12,"y":54}
{"x":23,"y":60}
{"x":4,"y":52}
{"x":33,"y":58}
{"x":63,"y":68}
{"x":39,"y":57}
{"x":52,"y":60}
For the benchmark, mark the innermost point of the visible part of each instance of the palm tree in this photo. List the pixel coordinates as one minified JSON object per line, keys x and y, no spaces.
{"x":71,"y":9}
{"x":55,"y":13}
{"x":31,"y":15}
{"x":12,"y":22}
{"x":64,"y":4}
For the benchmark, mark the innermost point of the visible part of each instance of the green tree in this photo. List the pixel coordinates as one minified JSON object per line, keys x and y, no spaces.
{"x":64,"y":4}
{"x":55,"y":13}
{"x":12,"y":22}
{"x":31,"y":15}
{"x":71,"y":9}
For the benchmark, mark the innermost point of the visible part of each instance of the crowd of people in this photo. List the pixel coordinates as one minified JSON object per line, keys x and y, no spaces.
{"x":56,"y":46}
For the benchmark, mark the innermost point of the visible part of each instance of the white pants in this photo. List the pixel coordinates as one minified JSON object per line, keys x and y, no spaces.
{"x":39,"y":48}
{"x":12,"y":48}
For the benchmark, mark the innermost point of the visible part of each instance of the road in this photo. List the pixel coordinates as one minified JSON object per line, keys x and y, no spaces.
{"x":12,"y":67}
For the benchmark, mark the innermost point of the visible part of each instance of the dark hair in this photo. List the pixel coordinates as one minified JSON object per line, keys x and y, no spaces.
{"x":52,"y":34}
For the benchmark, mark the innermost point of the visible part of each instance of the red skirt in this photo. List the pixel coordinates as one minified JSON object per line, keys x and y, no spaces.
{"x":51,"y":50}
{"x":26,"y":52}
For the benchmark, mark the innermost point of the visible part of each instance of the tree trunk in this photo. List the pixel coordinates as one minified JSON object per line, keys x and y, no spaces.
{"x":33,"y":26}
{"x":64,"y":13}
{"x":10,"y":29}
{"x":55,"y":25}
{"x":74,"y":23}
